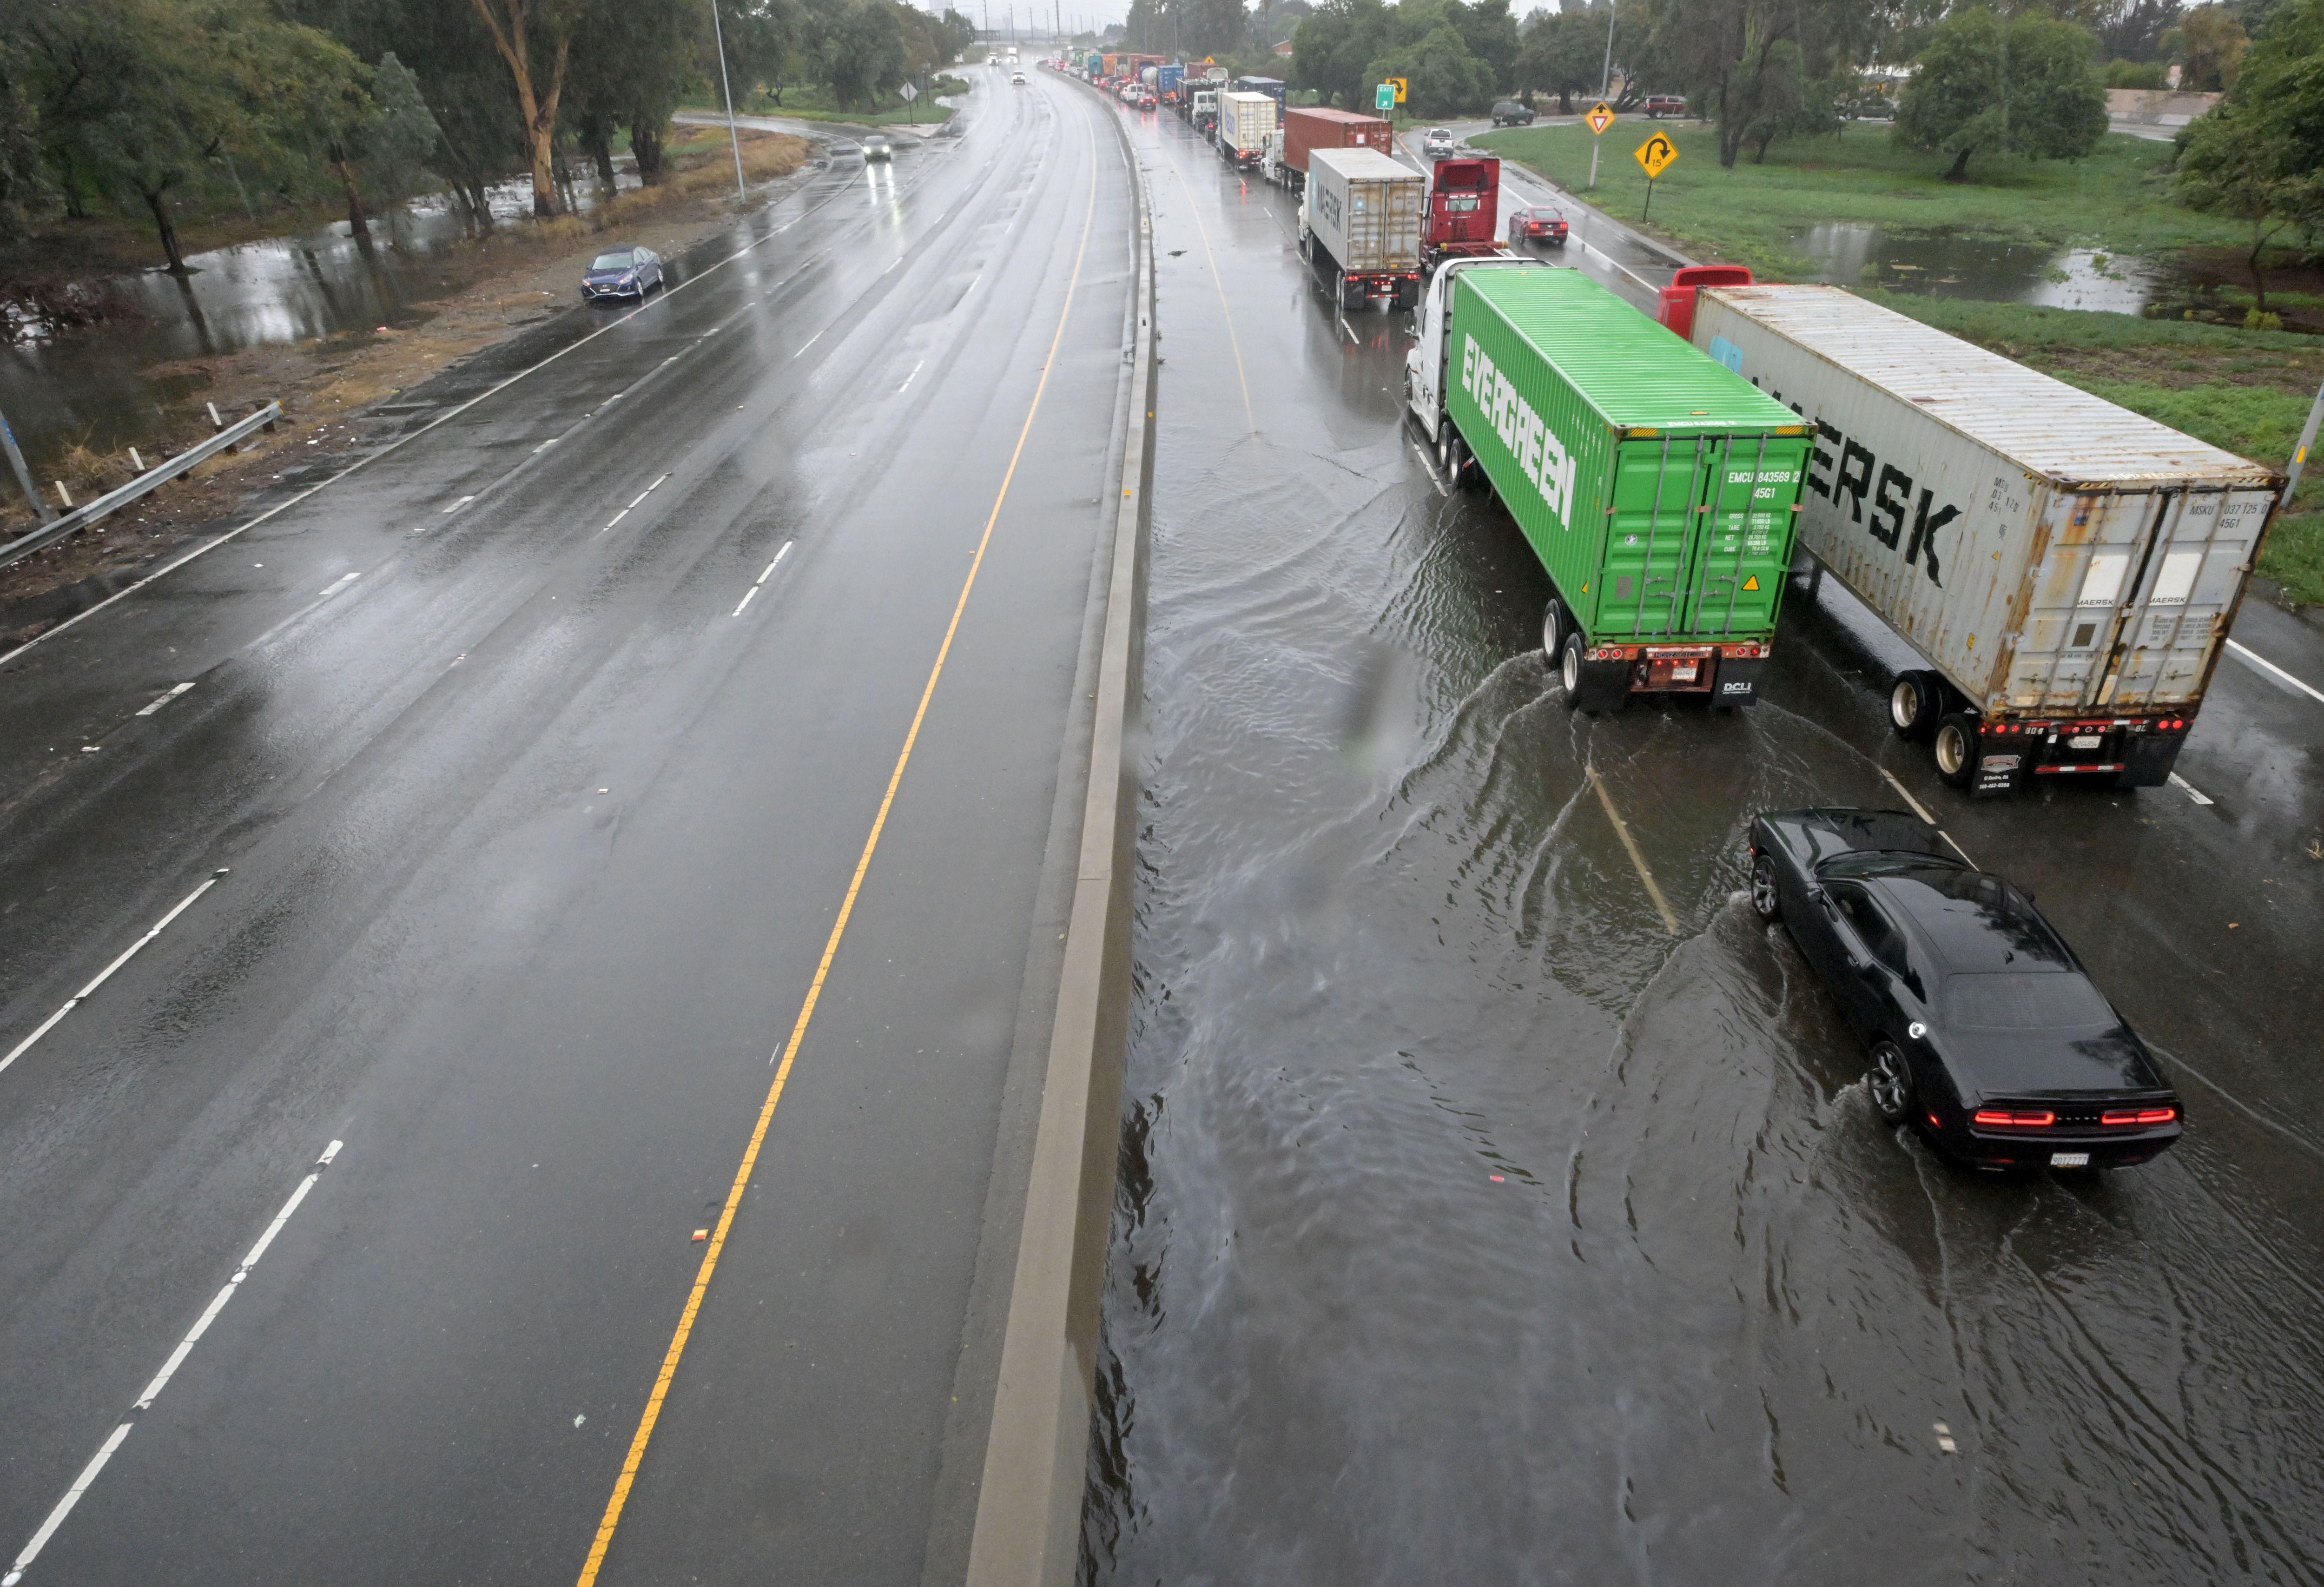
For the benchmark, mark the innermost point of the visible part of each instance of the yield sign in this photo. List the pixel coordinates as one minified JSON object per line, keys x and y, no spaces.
{"x":1600,"y":116}
{"x":1655,"y":155}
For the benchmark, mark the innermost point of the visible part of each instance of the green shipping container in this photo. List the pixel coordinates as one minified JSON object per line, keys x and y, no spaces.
{"x":1659,"y":490}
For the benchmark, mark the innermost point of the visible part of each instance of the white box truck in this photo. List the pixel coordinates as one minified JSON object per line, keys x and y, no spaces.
{"x":2068,"y":569}
{"x":1245,"y":121}
{"x":1359,"y":221}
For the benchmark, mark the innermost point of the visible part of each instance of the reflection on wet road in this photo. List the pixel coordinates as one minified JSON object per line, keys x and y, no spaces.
{"x":1474,"y":1227}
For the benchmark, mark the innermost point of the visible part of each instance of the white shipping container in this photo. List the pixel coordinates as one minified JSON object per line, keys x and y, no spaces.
{"x":1244,"y":122}
{"x":2053,"y":555}
{"x":1364,"y":209}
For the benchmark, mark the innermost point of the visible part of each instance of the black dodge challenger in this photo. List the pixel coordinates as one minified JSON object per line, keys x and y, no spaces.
{"x":1986,"y":1031}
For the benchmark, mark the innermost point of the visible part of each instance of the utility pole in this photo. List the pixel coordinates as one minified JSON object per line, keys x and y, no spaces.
{"x":39,"y":503}
{"x":718,"y":28}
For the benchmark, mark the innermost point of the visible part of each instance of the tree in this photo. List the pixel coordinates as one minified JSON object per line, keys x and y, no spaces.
{"x":533,"y":38}
{"x":1732,"y":55}
{"x":1489,"y":33}
{"x":25,"y":190}
{"x":1791,"y":104}
{"x":2133,"y":30}
{"x":1563,"y":53}
{"x":2028,"y":87}
{"x":306,"y":95}
{"x":2259,"y":154}
{"x":1332,"y":48}
{"x":404,"y":132}
{"x":1444,"y":78}
{"x":2209,"y":44}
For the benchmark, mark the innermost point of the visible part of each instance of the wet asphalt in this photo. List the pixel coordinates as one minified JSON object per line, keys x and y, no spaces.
{"x":539,"y":755}
{"x":1475,"y":1225}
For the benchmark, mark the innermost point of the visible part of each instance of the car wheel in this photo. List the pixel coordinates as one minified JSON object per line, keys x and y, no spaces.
{"x":1569,"y":668}
{"x":1956,"y":748}
{"x":1553,"y":628}
{"x":1890,"y":1083}
{"x":1915,"y":700}
{"x":1767,"y":899}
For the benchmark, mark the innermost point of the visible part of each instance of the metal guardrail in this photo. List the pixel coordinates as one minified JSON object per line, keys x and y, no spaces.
{"x":160,"y":474}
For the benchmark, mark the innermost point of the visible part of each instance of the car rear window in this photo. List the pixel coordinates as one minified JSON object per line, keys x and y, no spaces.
{"x":2015,"y":1000}
{"x":618,"y":260}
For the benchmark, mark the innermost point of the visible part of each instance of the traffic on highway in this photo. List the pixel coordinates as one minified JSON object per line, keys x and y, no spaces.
{"x":1173,"y":838}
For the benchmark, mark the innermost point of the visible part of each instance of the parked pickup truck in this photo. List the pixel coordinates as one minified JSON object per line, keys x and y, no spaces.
{"x":1659,"y":490}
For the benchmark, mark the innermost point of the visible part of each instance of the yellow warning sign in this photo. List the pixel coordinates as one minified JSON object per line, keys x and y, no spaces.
{"x":1401,"y":85}
{"x":1655,"y":155}
{"x":1751,"y":583}
{"x":1600,"y":116}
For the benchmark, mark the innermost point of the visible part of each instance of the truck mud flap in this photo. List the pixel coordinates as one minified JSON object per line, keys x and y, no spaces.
{"x":2148,"y":759}
{"x":1605,"y":687}
{"x":1738,"y":683}
{"x":1999,"y":771}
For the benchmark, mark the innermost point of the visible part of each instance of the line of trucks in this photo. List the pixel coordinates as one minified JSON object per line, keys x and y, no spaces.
{"x":2065,"y":571}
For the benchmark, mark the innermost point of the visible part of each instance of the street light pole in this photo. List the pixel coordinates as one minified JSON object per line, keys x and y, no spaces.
{"x":742,"y":194}
{"x":40,"y":513}
{"x":1605,"y":92}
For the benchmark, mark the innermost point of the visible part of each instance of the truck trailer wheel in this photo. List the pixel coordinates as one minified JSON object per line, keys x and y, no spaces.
{"x":1569,"y":667}
{"x":1915,"y":700}
{"x":1956,"y":748}
{"x":1552,"y":630}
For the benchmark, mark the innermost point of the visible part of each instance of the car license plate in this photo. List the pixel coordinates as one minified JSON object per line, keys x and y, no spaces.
{"x":2083,"y":740}
{"x":2070,"y":1160}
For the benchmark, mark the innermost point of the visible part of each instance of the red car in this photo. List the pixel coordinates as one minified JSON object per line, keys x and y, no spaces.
{"x":1540,"y":224}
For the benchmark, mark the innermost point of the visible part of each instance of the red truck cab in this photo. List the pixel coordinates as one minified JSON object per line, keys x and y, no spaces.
{"x":1464,"y":210}
{"x":1678,"y":297}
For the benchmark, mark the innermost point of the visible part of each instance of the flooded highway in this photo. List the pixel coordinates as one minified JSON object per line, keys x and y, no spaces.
{"x":1501,"y":1202}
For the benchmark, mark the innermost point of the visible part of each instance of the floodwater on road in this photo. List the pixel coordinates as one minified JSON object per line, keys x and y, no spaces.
{"x":1476,"y":1224}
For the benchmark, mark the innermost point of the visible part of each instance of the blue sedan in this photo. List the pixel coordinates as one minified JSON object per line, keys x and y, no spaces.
{"x":621,"y":273}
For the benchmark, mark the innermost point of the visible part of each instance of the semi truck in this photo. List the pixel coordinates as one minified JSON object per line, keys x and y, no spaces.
{"x":1659,"y":490}
{"x":2066,"y":570}
{"x":1307,"y":127}
{"x":1464,"y":208}
{"x":1359,"y":225}
{"x":1246,"y":121}
{"x":1168,"y":80}
{"x":1204,"y":110}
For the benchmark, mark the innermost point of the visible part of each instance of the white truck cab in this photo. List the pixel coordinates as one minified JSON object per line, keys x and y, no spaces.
{"x":1423,"y":365}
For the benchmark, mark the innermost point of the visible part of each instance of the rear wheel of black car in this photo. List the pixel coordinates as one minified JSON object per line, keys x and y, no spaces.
{"x":1890,"y":1081}
{"x":1569,"y":667}
{"x":1915,"y":700}
{"x":1767,"y":900}
{"x":1956,"y":748}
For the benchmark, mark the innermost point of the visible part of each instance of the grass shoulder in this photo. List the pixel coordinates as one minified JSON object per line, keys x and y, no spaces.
{"x":2247,"y":390}
{"x":2118,"y":200}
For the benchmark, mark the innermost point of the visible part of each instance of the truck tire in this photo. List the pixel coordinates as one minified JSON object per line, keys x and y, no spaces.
{"x":1569,"y":668}
{"x":1552,"y":630}
{"x":1915,"y":700}
{"x":1955,"y":747}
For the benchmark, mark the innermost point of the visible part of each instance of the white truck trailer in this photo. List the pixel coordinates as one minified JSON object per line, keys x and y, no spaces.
{"x":1359,"y":222}
{"x":2068,"y":569}
{"x":1246,"y":121}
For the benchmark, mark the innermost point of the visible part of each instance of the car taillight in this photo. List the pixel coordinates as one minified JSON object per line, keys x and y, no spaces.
{"x":2135,"y":1116}
{"x":2004,"y":1119}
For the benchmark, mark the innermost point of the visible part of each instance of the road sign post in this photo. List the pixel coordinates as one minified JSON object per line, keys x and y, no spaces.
{"x":1654,"y":155}
{"x":1601,"y":117}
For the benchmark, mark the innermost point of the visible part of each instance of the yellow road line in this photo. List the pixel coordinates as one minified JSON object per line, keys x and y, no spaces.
{"x":1622,"y":831}
{"x":1219,"y":282}
{"x":622,"y":1484}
